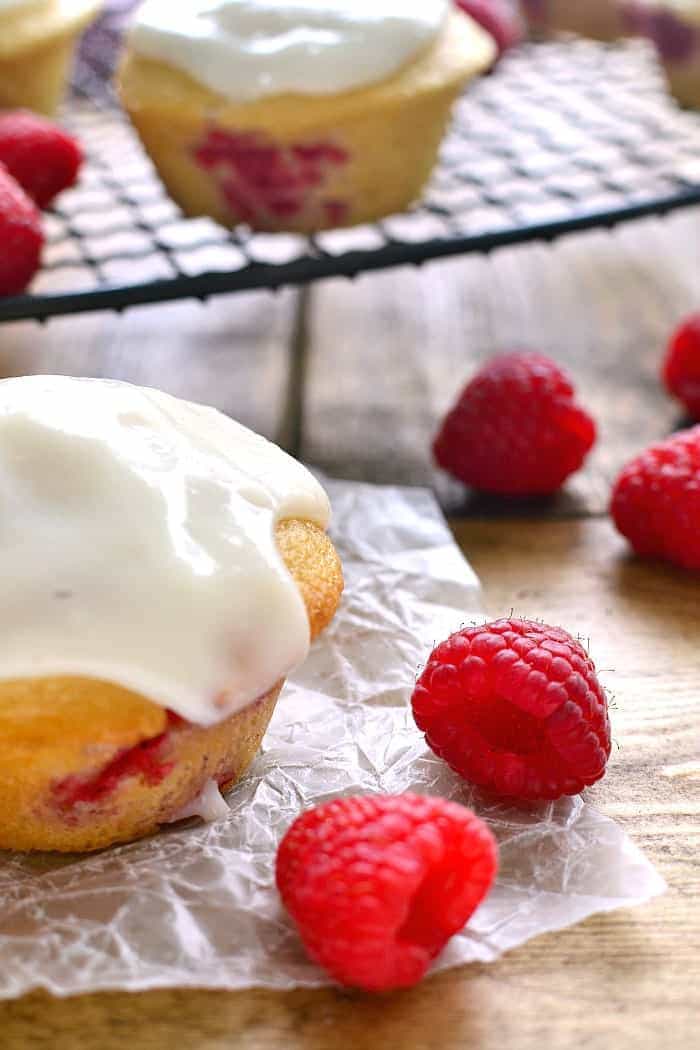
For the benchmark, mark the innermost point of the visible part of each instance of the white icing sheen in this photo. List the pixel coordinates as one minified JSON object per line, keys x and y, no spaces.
{"x":250,"y":49}
{"x":209,"y":805}
{"x":137,"y":545}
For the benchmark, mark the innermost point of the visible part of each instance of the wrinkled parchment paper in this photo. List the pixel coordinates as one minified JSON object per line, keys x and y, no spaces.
{"x":196,"y":905}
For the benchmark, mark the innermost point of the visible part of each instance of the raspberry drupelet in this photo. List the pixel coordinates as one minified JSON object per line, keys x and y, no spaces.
{"x":515,"y":707}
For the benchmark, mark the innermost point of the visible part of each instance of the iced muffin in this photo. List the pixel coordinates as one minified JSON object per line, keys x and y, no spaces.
{"x":299,"y":116}
{"x":597,"y":19}
{"x":36,"y":49}
{"x":162,"y":569}
{"x":674,"y":28}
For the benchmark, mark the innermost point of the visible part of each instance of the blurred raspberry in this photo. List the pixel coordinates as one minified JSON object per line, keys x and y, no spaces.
{"x":681,"y":367}
{"x":516,"y":429}
{"x":656,"y":500}
{"x":21,"y":236}
{"x":498,"y":18}
{"x":42,"y":157}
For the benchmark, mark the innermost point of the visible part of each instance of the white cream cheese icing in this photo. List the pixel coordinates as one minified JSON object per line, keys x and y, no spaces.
{"x":209,"y":805}
{"x":137,"y":545}
{"x":250,"y":49}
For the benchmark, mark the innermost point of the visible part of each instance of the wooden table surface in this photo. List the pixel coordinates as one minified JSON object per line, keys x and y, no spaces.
{"x":353,"y":377}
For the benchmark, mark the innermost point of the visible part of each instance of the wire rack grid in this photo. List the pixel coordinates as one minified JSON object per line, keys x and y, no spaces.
{"x":562,"y":137}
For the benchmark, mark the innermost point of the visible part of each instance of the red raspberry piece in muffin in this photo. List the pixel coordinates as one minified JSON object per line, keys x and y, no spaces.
{"x":264,"y":182}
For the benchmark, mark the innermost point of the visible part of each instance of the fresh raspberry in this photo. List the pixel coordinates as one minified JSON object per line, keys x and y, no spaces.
{"x":656,"y":500}
{"x":515,"y":707}
{"x":498,"y":18}
{"x":41,"y":156}
{"x":377,"y":885}
{"x":681,"y":367}
{"x":20,"y":236}
{"x":516,"y":428}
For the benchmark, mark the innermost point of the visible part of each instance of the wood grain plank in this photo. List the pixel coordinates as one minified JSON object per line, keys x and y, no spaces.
{"x":233,"y":352}
{"x":388,"y":355}
{"x":628,"y":980}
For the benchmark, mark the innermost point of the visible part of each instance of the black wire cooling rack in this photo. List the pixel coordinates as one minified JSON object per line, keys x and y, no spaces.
{"x":562,"y":137}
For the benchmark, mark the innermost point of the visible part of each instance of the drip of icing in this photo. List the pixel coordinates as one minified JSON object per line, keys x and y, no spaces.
{"x":209,"y":805}
{"x":251,"y":49}
{"x":137,"y":545}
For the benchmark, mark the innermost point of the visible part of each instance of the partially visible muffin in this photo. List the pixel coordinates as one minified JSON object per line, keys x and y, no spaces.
{"x":674,"y":28}
{"x":162,"y":570}
{"x":316,"y":136}
{"x":86,"y":763}
{"x":36,"y":49}
{"x":597,"y":19}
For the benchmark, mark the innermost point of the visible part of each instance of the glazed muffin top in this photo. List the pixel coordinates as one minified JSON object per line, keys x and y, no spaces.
{"x":461,"y":50}
{"x":251,"y":49}
{"x":138,"y":545}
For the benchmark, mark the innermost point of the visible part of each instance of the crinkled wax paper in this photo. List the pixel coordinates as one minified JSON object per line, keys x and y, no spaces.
{"x":196,"y":904}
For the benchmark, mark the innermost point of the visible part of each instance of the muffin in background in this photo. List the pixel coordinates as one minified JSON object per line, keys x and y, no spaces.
{"x":37,"y":44}
{"x":597,"y":19}
{"x":673,"y":26}
{"x":321,"y":136}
